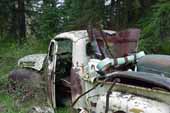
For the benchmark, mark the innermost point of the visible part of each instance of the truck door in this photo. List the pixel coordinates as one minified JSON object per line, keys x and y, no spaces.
{"x":52,"y":57}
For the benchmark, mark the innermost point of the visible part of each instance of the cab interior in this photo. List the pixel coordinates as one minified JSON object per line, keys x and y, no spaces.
{"x":63,"y":72}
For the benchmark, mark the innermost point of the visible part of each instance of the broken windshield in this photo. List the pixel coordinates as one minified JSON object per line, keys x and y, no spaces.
{"x":64,"y":46}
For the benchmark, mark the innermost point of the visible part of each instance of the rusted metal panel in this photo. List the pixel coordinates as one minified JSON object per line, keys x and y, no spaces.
{"x":19,"y":75}
{"x":142,"y":89}
{"x":96,"y":99}
{"x":130,"y":98}
{"x":76,"y":87}
{"x":125,"y":98}
{"x":116,"y":45}
{"x":130,"y":104}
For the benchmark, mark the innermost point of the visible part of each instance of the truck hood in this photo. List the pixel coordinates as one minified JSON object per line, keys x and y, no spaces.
{"x":34,"y":61}
{"x":141,"y":79}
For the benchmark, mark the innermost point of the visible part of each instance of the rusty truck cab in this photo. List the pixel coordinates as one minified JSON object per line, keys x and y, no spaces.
{"x":77,"y":60}
{"x":66,"y":57}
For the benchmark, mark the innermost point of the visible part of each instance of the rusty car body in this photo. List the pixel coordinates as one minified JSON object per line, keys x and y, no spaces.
{"x":100,"y":71}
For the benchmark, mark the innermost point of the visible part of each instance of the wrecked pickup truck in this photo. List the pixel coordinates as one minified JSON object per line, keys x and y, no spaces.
{"x":101,"y":71}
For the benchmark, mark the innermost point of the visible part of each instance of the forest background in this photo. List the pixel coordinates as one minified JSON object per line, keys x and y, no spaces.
{"x":26,"y":27}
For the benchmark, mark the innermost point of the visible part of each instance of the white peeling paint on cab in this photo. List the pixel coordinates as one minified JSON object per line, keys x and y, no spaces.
{"x":130,"y":104}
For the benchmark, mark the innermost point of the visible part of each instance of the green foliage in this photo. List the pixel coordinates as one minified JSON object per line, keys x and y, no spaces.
{"x":10,"y":52}
{"x":11,"y":49}
{"x":81,"y":13}
{"x":49,"y":17}
{"x":63,"y":110}
{"x":8,"y":104}
{"x":155,"y":35}
{"x":48,"y":22}
{"x":4,"y":17}
{"x":165,"y":47}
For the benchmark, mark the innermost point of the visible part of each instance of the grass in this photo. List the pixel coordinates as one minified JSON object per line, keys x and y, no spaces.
{"x":62,"y":110}
{"x":10,"y":52}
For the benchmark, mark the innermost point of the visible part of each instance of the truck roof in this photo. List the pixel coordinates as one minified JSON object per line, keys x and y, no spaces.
{"x":77,"y":35}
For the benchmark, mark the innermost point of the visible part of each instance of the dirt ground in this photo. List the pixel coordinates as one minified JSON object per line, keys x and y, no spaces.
{"x":2,"y":108}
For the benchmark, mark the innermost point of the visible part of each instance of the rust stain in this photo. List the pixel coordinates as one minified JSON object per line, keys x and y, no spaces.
{"x":119,"y":44}
{"x":93,"y":104}
{"x":76,"y":88}
{"x":136,"y":110}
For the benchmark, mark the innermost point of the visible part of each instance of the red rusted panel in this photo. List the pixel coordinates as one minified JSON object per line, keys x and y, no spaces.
{"x":116,"y":45}
{"x":76,"y":88}
{"x":125,"y":42}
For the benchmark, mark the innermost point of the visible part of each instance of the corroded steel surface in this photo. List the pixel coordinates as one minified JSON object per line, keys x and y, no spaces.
{"x":114,"y":45}
{"x":130,"y":104}
{"x":126,"y":98}
{"x":129,"y":98}
{"x":83,"y":77}
{"x":23,"y":77}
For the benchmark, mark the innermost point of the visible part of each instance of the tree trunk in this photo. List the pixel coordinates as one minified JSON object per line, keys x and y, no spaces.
{"x":13,"y":21}
{"x":112,"y":15}
{"x":21,"y":20}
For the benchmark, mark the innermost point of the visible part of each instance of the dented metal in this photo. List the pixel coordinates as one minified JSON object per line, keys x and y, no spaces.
{"x":130,"y":104}
{"x":125,"y":98}
{"x":34,"y":61}
{"x":137,"y":92}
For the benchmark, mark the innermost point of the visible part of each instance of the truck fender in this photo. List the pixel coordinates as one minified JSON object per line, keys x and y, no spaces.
{"x":24,"y":77}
